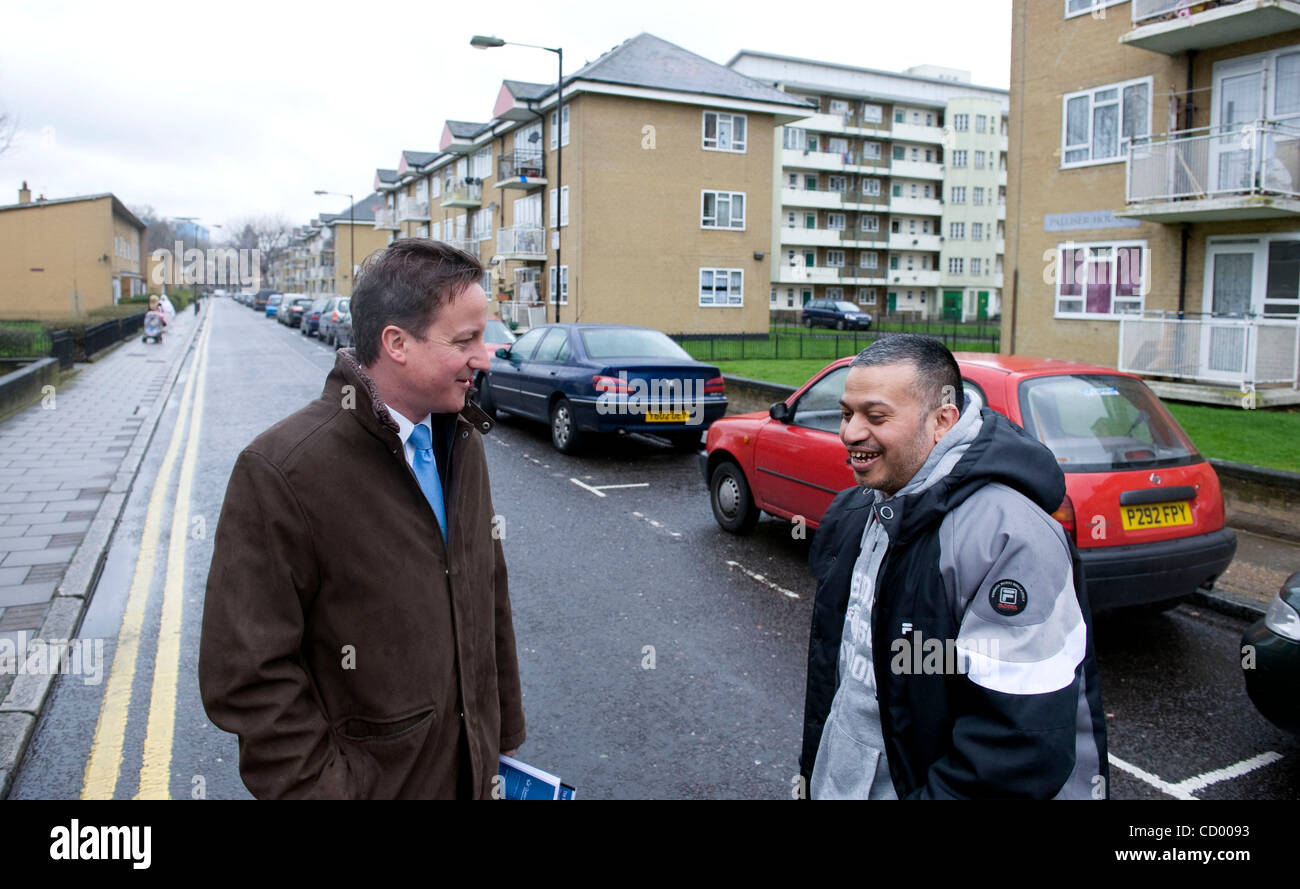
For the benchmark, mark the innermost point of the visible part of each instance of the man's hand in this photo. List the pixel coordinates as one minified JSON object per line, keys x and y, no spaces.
{"x":510,"y":753}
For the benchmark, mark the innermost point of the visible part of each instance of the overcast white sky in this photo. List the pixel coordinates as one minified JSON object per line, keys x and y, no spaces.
{"x":243,"y":108}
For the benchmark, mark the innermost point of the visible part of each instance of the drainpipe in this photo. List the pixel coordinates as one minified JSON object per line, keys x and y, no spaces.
{"x":1189,"y":113}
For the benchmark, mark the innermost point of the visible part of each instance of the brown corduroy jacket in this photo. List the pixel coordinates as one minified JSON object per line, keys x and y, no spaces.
{"x":342,"y":639}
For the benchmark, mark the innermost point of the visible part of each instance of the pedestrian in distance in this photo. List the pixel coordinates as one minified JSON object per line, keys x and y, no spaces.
{"x":951,"y":651}
{"x":357,"y":634}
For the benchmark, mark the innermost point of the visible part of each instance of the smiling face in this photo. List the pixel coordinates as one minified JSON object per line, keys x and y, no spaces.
{"x":434,"y":372}
{"x":886,"y":426}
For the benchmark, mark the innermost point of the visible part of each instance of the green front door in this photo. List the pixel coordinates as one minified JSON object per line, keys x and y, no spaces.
{"x":952,"y":305}
{"x":893,"y":303}
{"x":982,"y":305}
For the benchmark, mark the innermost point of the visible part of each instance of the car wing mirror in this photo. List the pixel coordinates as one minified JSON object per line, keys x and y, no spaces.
{"x":779,"y":411}
{"x":503,"y":353}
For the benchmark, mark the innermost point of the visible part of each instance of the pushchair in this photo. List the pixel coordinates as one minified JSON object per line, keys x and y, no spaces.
{"x":154,"y":322}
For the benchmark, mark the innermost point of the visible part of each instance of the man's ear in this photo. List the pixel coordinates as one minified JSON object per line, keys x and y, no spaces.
{"x":946,"y":417}
{"x":392,"y":342}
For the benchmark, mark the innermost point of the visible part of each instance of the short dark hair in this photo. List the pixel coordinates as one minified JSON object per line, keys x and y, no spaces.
{"x":935,"y":367}
{"x":406,"y":284}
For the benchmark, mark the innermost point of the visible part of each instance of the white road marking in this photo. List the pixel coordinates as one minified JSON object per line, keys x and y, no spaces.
{"x":587,"y":487}
{"x":659,"y":525}
{"x":1185,"y":788}
{"x":758,"y":578}
{"x":633,"y":485}
{"x":599,"y":490}
{"x":1143,"y":775}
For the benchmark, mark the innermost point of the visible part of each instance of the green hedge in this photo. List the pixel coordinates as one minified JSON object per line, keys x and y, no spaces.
{"x":23,"y":339}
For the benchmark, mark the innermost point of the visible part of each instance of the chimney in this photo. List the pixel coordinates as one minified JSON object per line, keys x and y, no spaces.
{"x":24,"y":194}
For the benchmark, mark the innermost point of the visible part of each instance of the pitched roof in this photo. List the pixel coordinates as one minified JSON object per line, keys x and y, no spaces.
{"x":649,"y":61}
{"x":464,"y":129}
{"x":385,"y":176}
{"x":418,"y":158}
{"x":522,"y":89}
{"x":362,"y":211}
{"x":118,"y":206}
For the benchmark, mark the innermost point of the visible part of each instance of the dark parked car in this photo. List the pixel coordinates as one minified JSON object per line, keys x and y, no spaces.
{"x":311,"y":318}
{"x":840,"y":314}
{"x":343,"y":332}
{"x":330,"y":316}
{"x":604,"y":378}
{"x":258,"y":302}
{"x":1270,"y":659}
{"x":1142,"y":505}
{"x":291,"y":310}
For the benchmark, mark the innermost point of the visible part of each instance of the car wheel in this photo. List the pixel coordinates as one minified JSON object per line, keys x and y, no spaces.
{"x":485,"y":401}
{"x":733,"y":506}
{"x":807,"y":322}
{"x":839,"y":325}
{"x":564,"y":429}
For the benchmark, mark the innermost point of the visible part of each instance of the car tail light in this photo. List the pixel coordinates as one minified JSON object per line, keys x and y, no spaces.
{"x":610,"y":384}
{"x":1065,"y":515}
{"x":715,"y":386}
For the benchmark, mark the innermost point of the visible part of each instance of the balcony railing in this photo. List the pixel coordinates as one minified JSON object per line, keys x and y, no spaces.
{"x":385,"y":218}
{"x":463,"y":195}
{"x":520,"y":163}
{"x":409,"y":208}
{"x":469,"y":245}
{"x":1255,"y":159}
{"x":1147,"y":11}
{"x":522,"y":240}
{"x":1235,"y":351}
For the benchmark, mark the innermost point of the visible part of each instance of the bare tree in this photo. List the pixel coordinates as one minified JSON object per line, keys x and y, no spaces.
{"x":8,"y":126}
{"x":160,"y":233}
{"x":267,"y":234}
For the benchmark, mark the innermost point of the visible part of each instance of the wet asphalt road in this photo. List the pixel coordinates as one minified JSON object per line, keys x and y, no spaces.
{"x":654,"y":664}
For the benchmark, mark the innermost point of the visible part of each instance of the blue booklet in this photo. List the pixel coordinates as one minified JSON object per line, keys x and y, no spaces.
{"x":519,"y":780}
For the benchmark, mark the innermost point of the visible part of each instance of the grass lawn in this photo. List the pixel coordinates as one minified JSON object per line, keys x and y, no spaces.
{"x":1263,"y":438}
{"x":791,"y":372}
{"x":798,"y":344}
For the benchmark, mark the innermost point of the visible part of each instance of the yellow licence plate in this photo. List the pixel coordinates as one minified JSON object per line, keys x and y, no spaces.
{"x":666,"y":416}
{"x":1156,"y":515}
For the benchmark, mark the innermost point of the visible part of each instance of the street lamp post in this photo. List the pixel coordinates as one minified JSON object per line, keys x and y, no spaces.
{"x":352,"y":234}
{"x":481,"y":42}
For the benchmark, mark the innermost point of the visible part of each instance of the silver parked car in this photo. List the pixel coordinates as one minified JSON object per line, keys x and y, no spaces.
{"x":330,"y":316}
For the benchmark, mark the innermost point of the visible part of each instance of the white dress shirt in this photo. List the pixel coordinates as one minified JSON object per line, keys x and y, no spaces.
{"x":404,"y":429}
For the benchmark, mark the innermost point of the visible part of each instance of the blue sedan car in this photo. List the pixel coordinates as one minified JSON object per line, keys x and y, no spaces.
{"x":604,"y":378}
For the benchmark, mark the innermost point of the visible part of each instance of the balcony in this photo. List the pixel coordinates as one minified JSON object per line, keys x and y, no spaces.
{"x":1251,"y":172}
{"x":855,"y":199}
{"x":851,"y":274}
{"x":807,"y":197}
{"x":469,"y":245}
{"x":810,"y":237}
{"x":386,"y":218}
{"x":792,"y":158}
{"x":466,"y":194}
{"x":910,"y":132}
{"x":521,"y":169}
{"x":914,"y":277}
{"x":1240,"y":352}
{"x":823,"y":123}
{"x":916,"y":206}
{"x":917,"y":169}
{"x":522,"y":242}
{"x":411,"y":209}
{"x":802,"y":274}
{"x":1175,"y":26}
{"x":915,"y":243}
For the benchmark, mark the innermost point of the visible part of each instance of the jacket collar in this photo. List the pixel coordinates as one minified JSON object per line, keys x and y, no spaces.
{"x":369,"y":408}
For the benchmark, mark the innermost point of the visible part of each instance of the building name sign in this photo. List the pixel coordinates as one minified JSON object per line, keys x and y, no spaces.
{"x":1088,"y":219}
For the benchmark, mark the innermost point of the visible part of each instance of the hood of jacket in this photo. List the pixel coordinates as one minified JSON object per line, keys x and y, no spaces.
{"x":1000,"y":451}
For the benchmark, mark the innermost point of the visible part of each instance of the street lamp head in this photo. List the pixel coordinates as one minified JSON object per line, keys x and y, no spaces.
{"x":481,"y":42}
{"x":320,"y":191}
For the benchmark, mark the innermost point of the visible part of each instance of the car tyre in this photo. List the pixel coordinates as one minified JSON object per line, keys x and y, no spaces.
{"x":733,"y":505}
{"x":807,"y":322}
{"x":839,"y":325}
{"x":564,"y":428}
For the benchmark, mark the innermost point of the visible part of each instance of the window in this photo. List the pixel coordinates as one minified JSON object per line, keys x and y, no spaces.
{"x":794,"y":139}
{"x":871,"y":151}
{"x":810,"y":182}
{"x":724,"y":132}
{"x":835,"y":221}
{"x":900,"y":116}
{"x":900,"y":153}
{"x":564,"y":207}
{"x":866,"y":296}
{"x":893,"y":261}
{"x":977,"y":196}
{"x":959,"y":158}
{"x":836,"y":183}
{"x":564,"y":135}
{"x":961,"y":122}
{"x":435,"y":186}
{"x":789,"y":297}
{"x":810,"y":220}
{"x":897,"y":190}
{"x":868,"y":259}
{"x":834,"y":294}
{"x":916,"y":154}
{"x":958,"y":194}
{"x":872,"y":113}
{"x":1079,"y":7}
{"x":869,"y":223}
{"x":564,"y":285}
{"x":839,"y":106}
{"x":435,"y":231}
{"x":835,"y":258}
{"x":871,"y":187}
{"x":957,"y":230}
{"x":979,"y":160}
{"x":771,"y":299}
{"x":1098,"y":124}
{"x":480,"y":163}
{"x":981,"y":123}
{"x":975,"y":266}
{"x":422,"y":189}
{"x":977,"y":231}
{"x":955,"y":265}
{"x":723,"y":209}
{"x":1104,"y":278}
{"x":836,"y":145}
{"x":722,"y":287}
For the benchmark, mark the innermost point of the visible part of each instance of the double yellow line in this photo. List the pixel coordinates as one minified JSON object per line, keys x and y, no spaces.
{"x":105,"y":761}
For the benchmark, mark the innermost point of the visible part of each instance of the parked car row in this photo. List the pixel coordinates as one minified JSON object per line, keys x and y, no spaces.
{"x":327,"y":318}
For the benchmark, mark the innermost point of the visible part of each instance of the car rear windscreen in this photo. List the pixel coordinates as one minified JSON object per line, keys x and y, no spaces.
{"x":614,"y":342}
{"x":1099,"y":422}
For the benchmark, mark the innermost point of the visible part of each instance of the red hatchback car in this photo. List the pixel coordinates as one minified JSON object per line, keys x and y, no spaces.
{"x":1142,"y":505}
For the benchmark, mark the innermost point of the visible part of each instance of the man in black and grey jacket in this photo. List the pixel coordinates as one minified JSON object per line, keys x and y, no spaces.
{"x":951,"y":653}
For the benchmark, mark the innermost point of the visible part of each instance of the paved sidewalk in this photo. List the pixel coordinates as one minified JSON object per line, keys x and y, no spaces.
{"x":65,"y":470}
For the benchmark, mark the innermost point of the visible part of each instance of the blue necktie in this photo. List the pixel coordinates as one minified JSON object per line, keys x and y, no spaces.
{"x":426,"y":472}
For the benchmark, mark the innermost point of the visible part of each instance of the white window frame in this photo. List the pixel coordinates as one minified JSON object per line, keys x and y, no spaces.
{"x":956,"y":265}
{"x":977,"y":231}
{"x":835,"y":259}
{"x":872,"y":113}
{"x":871,"y":188}
{"x":961,"y":123}
{"x":977,"y":196}
{"x":958,"y":195}
{"x":564,"y":207}
{"x":872,"y":151}
{"x":866,"y":296}
{"x":1121,"y":155}
{"x":564,"y":136}
{"x":737,"y":145}
{"x":868,"y":259}
{"x":975,"y":265}
{"x":1114,"y":246}
{"x":834,"y":294}
{"x":435,"y":187}
{"x":957,"y":231}
{"x":718,"y":198}
{"x":836,"y":221}
{"x":564,"y":285}
{"x":480,"y":163}
{"x":732,"y":274}
{"x":869,"y":223}
{"x":1087,"y":10}
{"x":977,"y":162}
{"x":959,"y":157}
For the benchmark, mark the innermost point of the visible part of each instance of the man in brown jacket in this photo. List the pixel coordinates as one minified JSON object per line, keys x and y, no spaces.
{"x":358,"y":647}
